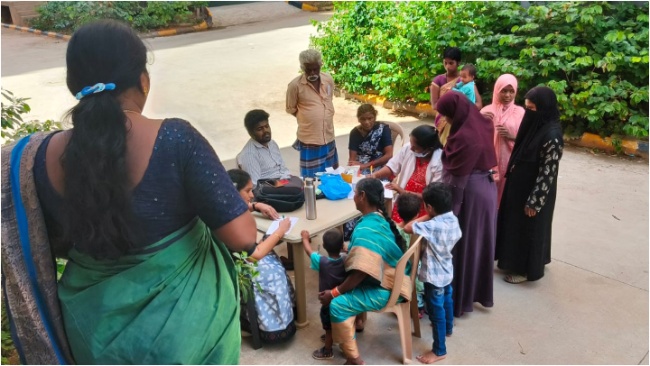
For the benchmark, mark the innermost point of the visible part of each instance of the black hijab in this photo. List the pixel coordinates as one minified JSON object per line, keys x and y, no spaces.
{"x":537,"y":126}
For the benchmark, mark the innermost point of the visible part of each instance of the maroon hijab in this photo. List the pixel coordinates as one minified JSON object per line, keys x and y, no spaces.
{"x":470,"y":144}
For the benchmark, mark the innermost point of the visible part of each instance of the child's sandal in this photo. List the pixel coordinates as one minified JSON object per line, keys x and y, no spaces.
{"x":323,"y":354}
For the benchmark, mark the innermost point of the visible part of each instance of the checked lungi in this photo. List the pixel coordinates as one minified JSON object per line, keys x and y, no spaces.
{"x":314,"y":158}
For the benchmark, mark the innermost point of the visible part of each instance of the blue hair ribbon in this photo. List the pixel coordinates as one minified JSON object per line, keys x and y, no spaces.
{"x":97,"y":88}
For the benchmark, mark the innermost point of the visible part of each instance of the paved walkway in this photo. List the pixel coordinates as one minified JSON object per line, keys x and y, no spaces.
{"x":225,"y":16}
{"x":590,"y":308}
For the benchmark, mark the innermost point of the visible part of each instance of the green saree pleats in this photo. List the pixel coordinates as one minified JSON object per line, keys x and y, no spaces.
{"x":177,"y":303}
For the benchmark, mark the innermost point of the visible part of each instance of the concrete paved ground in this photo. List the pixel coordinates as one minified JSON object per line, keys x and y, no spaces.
{"x":225,"y":16}
{"x":590,"y":308}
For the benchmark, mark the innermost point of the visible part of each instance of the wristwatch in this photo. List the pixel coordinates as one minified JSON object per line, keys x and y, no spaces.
{"x":253,"y":205}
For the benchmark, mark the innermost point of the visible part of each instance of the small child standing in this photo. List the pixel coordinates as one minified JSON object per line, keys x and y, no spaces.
{"x":331,"y":273}
{"x":466,"y":83}
{"x":442,"y":232}
{"x":408,"y":207}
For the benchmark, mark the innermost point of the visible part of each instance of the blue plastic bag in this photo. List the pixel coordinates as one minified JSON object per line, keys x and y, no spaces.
{"x":334,"y":187}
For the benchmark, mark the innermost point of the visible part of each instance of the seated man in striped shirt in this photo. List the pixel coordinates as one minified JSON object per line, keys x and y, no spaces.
{"x":261,"y":156}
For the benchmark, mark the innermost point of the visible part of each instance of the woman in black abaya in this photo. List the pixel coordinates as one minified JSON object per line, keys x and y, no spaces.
{"x":526,"y":212}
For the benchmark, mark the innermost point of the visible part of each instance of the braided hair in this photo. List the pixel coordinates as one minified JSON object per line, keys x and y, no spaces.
{"x":374,"y":191}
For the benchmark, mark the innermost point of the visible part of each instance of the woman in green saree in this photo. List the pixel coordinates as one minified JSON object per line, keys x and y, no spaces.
{"x":145,"y":213}
{"x":375,"y":248}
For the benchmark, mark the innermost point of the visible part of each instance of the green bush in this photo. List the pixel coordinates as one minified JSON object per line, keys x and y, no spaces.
{"x":8,"y":350}
{"x":67,"y":16}
{"x":593,"y":54}
{"x":13,"y":125}
{"x":13,"y":109}
{"x":246,"y":270}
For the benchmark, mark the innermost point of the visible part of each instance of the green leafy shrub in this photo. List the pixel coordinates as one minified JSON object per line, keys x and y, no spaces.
{"x":67,"y":16}
{"x":593,"y":54}
{"x":12,"y":110}
{"x":246,"y":272}
{"x":8,"y":350}
{"x":13,"y":125}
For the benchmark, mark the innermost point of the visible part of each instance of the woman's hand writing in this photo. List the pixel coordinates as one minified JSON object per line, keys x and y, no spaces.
{"x":267,"y":210}
{"x":284,"y":226}
{"x":325,"y":297}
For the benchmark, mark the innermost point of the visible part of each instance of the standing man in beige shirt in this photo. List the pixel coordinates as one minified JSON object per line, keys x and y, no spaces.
{"x":309,"y":99}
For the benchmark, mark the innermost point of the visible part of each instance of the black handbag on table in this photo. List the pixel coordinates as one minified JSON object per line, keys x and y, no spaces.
{"x":284,"y":195}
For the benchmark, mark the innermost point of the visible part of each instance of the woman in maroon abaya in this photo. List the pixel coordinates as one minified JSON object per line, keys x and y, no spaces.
{"x":467,"y":159}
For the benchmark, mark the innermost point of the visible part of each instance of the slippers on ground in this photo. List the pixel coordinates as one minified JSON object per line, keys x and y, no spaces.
{"x":323,"y":354}
{"x":515,"y":278}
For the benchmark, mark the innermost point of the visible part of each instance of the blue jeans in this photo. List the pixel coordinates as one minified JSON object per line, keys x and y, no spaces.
{"x":440,"y":307}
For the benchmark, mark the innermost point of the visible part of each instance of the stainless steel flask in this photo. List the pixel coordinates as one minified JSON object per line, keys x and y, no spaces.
{"x":310,"y":199}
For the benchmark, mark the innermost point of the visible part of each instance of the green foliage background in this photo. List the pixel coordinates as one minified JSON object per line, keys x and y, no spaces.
{"x":67,"y":16}
{"x":13,"y":125}
{"x":593,"y":54}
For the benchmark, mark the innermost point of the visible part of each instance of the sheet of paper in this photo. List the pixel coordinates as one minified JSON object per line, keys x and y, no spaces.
{"x":388,"y":193}
{"x":330,"y":170}
{"x":276,"y":223}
